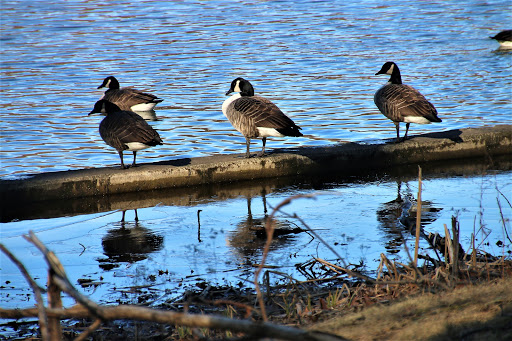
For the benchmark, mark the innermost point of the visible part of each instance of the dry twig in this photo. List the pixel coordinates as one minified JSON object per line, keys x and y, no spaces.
{"x":89,"y":309}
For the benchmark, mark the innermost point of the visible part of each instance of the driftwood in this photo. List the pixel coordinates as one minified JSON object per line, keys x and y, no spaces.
{"x":85,"y":308}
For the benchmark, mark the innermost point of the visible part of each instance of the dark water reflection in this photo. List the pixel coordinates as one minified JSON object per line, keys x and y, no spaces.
{"x":249,"y":237}
{"x":128,"y":242}
{"x":398,"y":217}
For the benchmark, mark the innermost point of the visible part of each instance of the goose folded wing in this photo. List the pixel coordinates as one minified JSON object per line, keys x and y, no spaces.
{"x":263,"y":113}
{"x":125,"y":127}
{"x":399,"y":101}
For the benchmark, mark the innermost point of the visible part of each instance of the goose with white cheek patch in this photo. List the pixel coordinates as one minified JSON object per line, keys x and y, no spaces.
{"x":128,"y":98}
{"x":125,"y":130}
{"x":402,"y":103}
{"x":256,"y":116}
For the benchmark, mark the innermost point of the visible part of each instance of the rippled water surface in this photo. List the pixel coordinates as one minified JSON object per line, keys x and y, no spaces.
{"x":315,"y":59}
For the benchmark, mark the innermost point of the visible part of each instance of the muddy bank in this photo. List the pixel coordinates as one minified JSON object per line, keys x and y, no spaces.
{"x":347,"y":158}
{"x":481,"y":312}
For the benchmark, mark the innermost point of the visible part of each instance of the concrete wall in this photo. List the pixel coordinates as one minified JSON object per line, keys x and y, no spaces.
{"x":347,"y":158}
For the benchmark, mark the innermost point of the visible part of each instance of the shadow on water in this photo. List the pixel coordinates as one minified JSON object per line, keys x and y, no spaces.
{"x":398,"y":216}
{"x":128,"y":242}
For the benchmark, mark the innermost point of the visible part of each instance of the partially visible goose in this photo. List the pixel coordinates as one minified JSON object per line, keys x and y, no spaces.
{"x":402,"y":103}
{"x":125,"y":130}
{"x":256,"y":116}
{"x":504,"y":38}
{"x":128,"y":98}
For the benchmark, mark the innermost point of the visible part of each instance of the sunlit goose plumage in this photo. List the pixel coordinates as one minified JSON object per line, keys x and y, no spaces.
{"x":504,"y":38}
{"x":256,"y":116}
{"x":128,"y":98}
{"x":125,"y":130}
{"x":402,"y":103}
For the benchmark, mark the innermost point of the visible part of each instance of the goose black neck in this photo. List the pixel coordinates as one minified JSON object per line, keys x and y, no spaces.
{"x":246,"y":89}
{"x":395,"y":78}
{"x":114,"y":83}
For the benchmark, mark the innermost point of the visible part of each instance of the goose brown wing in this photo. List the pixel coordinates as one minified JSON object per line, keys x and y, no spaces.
{"x":123,"y":127}
{"x":397,"y":101}
{"x":263,"y":113}
{"x":125,"y":98}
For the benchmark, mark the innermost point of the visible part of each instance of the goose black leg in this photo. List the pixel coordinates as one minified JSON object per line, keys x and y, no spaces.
{"x":134,"y":156}
{"x":406,"y":130}
{"x":121,"y":156}
{"x":262,"y":153}
{"x":397,"y":131}
{"x":248,"y":143}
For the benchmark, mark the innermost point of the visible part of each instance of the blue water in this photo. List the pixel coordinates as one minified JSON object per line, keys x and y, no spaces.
{"x":169,"y":249}
{"x":315,"y":59}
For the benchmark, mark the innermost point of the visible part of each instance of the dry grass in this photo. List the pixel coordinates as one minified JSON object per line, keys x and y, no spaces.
{"x":473,"y":312}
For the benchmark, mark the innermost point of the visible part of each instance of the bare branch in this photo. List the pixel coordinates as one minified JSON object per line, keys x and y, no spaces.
{"x":41,"y":314}
{"x":269,"y":227}
{"x":60,"y":277}
{"x":137,"y":313}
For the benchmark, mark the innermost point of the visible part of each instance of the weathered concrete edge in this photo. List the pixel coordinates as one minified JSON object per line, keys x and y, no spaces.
{"x":348,"y":157}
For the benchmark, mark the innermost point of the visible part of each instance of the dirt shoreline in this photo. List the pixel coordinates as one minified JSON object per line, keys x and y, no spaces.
{"x":471,"y":312}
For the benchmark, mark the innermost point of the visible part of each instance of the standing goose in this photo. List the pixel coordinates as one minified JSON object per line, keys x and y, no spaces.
{"x":256,"y":116}
{"x":125,"y":130}
{"x":128,"y":98}
{"x":504,"y":38}
{"x":402,"y":103}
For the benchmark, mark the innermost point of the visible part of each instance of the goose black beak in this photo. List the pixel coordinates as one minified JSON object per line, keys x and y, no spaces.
{"x":228,"y":92}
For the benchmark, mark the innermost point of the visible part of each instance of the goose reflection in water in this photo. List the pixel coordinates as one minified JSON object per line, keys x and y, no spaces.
{"x":399,"y":215}
{"x":128,"y":242}
{"x":249,"y":238}
{"x":149,"y":115}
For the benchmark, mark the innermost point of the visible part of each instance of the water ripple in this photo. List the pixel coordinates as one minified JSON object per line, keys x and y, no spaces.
{"x":315,"y":59}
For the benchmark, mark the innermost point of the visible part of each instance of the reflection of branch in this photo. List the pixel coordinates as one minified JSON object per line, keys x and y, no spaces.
{"x":198,"y":226}
{"x":89,"y":309}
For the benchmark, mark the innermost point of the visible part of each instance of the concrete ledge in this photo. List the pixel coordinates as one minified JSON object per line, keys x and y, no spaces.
{"x":349,"y":157}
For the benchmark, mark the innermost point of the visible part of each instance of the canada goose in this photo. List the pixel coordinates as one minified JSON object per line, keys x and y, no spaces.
{"x":256,"y":116}
{"x":402,"y":103}
{"x":504,"y":38}
{"x":128,"y":98}
{"x":125,"y":130}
